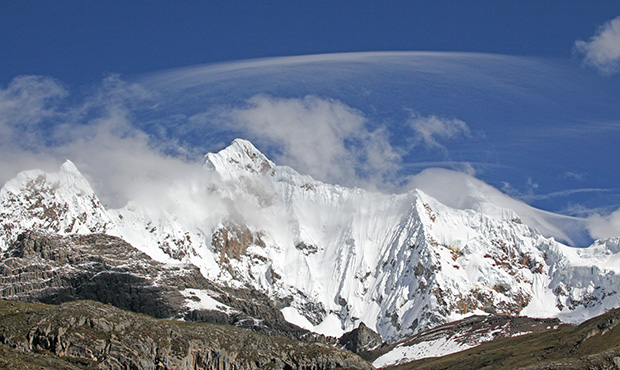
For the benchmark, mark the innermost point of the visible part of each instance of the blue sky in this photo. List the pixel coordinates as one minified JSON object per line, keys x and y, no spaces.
{"x":80,"y":42}
{"x":523,"y":95}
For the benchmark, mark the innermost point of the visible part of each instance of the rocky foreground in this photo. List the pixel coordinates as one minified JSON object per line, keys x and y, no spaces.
{"x":92,"y":335}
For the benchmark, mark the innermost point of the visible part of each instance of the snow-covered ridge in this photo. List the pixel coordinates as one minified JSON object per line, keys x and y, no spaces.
{"x":61,"y":202}
{"x":333,"y":256}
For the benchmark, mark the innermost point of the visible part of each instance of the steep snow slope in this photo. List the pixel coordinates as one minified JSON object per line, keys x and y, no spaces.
{"x":462,"y":191}
{"x":332,"y":257}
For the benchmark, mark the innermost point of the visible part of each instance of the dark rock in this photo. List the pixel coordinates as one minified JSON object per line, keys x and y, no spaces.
{"x":93,"y":335}
{"x":52,"y":269}
{"x":362,"y":339}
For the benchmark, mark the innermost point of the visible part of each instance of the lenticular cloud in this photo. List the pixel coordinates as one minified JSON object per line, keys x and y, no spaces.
{"x":370,"y":120}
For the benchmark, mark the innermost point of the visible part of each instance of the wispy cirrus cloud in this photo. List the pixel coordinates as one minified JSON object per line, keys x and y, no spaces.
{"x":563,"y":193}
{"x":430,"y":130}
{"x":574,"y":175}
{"x":602,"y":51}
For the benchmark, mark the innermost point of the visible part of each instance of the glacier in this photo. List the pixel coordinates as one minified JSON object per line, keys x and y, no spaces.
{"x":334,"y":256}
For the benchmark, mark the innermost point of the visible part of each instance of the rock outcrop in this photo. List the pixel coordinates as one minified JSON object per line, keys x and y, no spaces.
{"x":48,"y":268}
{"x":362,"y":339}
{"x":595,"y":344}
{"x":92,"y":335}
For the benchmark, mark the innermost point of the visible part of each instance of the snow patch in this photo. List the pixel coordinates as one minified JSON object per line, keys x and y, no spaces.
{"x":432,"y":348}
{"x":197,"y":299}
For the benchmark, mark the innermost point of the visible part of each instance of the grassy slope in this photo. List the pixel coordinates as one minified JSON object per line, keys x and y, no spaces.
{"x":591,"y":344}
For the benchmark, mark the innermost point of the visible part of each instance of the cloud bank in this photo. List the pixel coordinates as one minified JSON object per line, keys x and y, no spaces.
{"x":42,"y":124}
{"x":41,"y":129}
{"x":602,"y":51}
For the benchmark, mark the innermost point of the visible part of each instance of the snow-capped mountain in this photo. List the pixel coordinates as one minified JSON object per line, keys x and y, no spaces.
{"x":61,"y":202}
{"x":331,"y":256}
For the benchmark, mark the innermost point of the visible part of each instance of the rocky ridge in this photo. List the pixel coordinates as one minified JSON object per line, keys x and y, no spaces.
{"x":45,"y":267}
{"x":459,"y":336}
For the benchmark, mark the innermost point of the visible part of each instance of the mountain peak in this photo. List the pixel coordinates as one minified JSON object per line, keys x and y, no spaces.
{"x":245,"y":148}
{"x":240,"y":154}
{"x":69,"y":167}
{"x":62,"y":202}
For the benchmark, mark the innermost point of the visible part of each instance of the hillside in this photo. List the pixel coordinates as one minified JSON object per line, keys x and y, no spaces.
{"x":595,"y":344}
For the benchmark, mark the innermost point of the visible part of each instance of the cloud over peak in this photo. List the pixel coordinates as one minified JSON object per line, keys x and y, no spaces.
{"x":321,"y":137}
{"x":40,"y":128}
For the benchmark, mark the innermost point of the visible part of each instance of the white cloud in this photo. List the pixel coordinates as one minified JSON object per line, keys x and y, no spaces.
{"x":602,"y":51}
{"x":431,"y":129}
{"x":40,"y":129}
{"x":320,"y":137}
{"x":601,"y":227}
{"x":462,"y":191}
{"x":121,"y":162}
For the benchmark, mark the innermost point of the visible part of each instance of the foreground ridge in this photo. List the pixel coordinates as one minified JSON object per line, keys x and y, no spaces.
{"x":595,"y":344}
{"x":87,"y":334}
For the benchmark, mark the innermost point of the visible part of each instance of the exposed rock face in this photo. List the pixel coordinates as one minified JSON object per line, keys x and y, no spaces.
{"x":91,"y":335}
{"x":53,"y":269}
{"x":231,"y":241}
{"x":362,"y":339}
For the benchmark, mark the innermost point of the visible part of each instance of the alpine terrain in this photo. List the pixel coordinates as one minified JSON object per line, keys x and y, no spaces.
{"x":314,"y":257}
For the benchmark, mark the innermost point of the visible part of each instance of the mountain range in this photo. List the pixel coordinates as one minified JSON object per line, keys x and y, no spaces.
{"x":325,"y":258}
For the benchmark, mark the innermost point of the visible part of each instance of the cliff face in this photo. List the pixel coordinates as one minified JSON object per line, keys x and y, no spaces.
{"x":87,"y":334}
{"x":43,"y":267}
